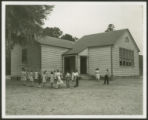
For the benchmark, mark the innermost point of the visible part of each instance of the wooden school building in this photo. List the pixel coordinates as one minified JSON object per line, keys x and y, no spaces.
{"x":114,"y":50}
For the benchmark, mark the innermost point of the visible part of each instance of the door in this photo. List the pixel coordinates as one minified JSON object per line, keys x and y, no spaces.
{"x":83,"y":65}
{"x":69,"y":64}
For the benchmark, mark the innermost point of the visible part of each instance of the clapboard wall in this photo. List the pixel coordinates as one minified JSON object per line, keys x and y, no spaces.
{"x":51,"y":57}
{"x":99,"y":57}
{"x":125,"y":70}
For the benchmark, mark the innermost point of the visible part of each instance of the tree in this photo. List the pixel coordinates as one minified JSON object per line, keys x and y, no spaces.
{"x":22,"y":23}
{"x":110,"y":28}
{"x":69,"y":37}
{"x":25,"y":21}
{"x":52,"y":31}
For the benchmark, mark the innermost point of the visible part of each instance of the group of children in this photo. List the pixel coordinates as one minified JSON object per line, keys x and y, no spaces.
{"x":106,"y":76}
{"x":55,"y":77}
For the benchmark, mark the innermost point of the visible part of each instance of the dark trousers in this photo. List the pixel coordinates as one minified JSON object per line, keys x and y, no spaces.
{"x":106,"y":79}
{"x":77,"y":82}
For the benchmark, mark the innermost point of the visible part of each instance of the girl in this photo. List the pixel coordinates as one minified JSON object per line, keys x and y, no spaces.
{"x":31,"y":78}
{"x":51,"y":79}
{"x":59,"y":81}
{"x":67,"y":79}
{"x":55,"y":77}
{"x":44,"y":78}
{"x":36,"y":76}
{"x":23,"y":76}
{"x":97,"y":74}
{"x":72,"y":76}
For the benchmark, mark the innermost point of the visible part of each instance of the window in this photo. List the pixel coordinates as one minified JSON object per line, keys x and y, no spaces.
{"x":24,"y":56}
{"x":126,"y":57}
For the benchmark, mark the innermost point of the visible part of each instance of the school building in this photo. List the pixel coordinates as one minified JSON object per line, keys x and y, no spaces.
{"x":115,"y":50}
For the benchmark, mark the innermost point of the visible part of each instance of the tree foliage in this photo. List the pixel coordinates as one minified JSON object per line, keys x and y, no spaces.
{"x":69,"y":37}
{"x":52,"y":31}
{"x":23,"y":21}
{"x":110,"y":28}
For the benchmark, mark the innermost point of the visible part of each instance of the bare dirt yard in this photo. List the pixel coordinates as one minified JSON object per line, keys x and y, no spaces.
{"x":120,"y":97}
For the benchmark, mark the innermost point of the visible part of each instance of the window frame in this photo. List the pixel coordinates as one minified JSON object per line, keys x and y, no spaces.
{"x":126,"y":57}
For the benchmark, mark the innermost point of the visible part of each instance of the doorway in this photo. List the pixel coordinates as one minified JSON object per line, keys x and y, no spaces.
{"x":83,"y":65}
{"x":69,"y":64}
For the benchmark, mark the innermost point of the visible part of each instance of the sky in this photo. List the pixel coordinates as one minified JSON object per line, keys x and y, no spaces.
{"x":84,"y":19}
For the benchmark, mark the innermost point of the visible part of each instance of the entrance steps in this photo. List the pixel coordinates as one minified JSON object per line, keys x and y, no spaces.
{"x":86,"y":77}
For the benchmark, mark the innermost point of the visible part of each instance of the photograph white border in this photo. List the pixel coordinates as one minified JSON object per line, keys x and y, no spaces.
{"x":4,"y":3}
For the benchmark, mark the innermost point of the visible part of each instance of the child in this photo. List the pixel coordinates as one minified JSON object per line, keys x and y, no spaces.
{"x":39,"y":79}
{"x":44,"y":76}
{"x":23,"y":76}
{"x":76,"y":78}
{"x":72,"y":76}
{"x":59,"y":81}
{"x":36,"y":76}
{"x":55,"y":77}
{"x":67,"y":79}
{"x":106,"y":77}
{"x":51,"y":79}
{"x":97,"y":74}
{"x":31,"y":78}
{"x":27,"y":74}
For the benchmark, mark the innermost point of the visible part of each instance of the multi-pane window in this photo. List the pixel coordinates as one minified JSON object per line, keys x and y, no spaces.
{"x":24,"y":56}
{"x":126,"y":57}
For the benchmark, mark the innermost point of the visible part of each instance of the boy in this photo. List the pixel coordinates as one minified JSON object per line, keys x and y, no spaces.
{"x":106,"y":77}
{"x":39,"y":79}
{"x":23,"y":76}
{"x":76,"y":78}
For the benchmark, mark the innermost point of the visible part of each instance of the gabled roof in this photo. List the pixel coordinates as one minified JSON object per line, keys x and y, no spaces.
{"x":99,"y":39}
{"x":47,"y":40}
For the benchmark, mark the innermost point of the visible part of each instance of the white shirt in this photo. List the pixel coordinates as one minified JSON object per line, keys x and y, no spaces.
{"x":36,"y":75}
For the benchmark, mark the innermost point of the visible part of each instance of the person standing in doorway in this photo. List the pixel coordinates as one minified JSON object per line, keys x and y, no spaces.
{"x":106,"y":77}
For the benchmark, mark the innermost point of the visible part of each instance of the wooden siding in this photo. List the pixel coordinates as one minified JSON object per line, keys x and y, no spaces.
{"x":125,"y":70}
{"x":16,"y":60}
{"x":33,"y":58}
{"x":51,"y":57}
{"x":99,"y":57}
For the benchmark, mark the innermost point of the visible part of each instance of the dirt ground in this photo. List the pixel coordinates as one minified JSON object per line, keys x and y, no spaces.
{"x":120,"y":97}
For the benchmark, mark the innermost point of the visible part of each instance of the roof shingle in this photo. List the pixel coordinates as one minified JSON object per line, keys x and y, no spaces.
{"x":99,"y":39}
{"x":47,"y":40}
